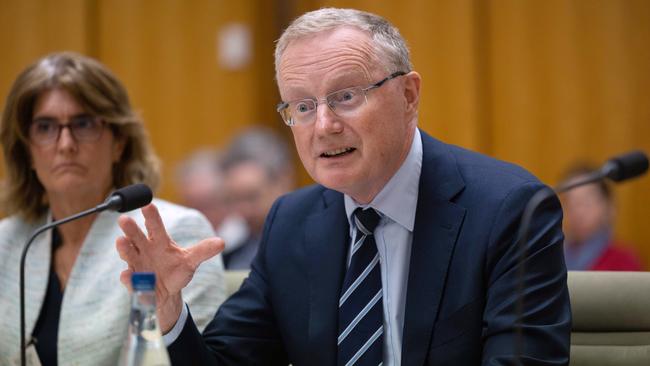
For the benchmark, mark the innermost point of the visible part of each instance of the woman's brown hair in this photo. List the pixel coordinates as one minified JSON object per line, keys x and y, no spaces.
{"x":101,"y":94}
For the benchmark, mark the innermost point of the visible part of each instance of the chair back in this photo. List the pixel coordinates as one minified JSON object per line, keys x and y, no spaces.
{"x":234,"y":280}
{"x":611,"y":318}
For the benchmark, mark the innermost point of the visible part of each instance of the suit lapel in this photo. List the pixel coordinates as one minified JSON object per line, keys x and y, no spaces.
{"x":437,"y":223}
{"x":326,"y":238}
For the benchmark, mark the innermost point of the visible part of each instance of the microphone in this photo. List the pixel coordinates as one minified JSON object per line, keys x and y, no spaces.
{"x":122,"y":200}
{"x":617,"y":169}
{"x":625,"y":166}
{"x":128,"y":198}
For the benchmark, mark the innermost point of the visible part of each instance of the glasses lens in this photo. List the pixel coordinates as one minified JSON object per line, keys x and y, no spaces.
{"x":342,"y":102}
{"x":43,"y":130}
{"x":301,"y":111}
{"x":86,"y":128}
{"x":346,"y":100}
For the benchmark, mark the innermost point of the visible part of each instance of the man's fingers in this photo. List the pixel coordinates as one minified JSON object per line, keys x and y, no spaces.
{"x":154,"y":224}
{"x":204,"y":250}
{"x":132,"y":231}
{"x":125,"y":278}
{"x":127,"y":251}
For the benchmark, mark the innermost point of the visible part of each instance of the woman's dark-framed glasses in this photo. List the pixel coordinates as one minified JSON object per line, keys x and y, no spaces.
{"x":45,"y":131}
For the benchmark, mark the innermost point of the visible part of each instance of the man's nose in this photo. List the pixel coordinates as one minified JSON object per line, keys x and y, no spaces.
{"x":326,"y":120}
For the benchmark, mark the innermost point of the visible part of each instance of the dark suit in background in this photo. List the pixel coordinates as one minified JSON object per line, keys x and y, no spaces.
{"x":461,"y":295}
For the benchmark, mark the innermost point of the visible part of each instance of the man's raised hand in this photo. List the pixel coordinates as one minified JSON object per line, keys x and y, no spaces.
{"x":156,"y":252}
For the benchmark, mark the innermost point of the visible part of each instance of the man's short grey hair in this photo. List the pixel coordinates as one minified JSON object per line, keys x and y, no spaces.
{"x":390,"y":46}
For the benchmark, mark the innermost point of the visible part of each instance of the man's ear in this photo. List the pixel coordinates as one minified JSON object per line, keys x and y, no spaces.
{"x":412,"y":82}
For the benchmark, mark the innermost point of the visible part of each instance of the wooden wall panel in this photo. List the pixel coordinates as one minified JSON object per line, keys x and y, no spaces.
{"x":540,"y":83}
{"x":166,"y":52}
{"x":569,"y":81}
{"x":30,"y":29}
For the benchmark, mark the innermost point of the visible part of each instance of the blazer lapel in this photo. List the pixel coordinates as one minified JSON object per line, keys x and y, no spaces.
{"x":437,"y":223}
{"x":326,"y":238}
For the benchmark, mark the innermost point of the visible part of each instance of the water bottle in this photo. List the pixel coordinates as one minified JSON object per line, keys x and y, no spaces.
{"x":144,"y":345}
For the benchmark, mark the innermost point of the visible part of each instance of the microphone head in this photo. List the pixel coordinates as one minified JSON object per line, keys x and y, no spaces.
{"x":626,"y":166}
{"x":129,"y":198}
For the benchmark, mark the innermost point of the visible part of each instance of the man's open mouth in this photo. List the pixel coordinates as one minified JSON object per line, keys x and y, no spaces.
{"x":337,"y":152}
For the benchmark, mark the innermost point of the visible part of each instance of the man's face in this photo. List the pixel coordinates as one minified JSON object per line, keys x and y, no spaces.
{"x":353,"y":155}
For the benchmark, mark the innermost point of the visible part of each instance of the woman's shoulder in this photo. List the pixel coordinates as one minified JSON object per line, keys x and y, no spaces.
{"x":179,"y":218}
{"x":14,"y":232}
{"x":17,"y":226}
{"x":170,"y":210}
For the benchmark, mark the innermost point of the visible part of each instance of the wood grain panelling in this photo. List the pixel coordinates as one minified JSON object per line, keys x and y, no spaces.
{"x":166,"y":52}
{"x":540,"y":82}
{"x":32,"y":28}
{"x":570,"y":81}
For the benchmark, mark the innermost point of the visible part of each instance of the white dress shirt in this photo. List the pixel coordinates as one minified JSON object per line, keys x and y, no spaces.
{"x":396,"y":203}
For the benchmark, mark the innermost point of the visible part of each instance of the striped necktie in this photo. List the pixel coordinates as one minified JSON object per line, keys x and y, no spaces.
{"x":360,"y":340}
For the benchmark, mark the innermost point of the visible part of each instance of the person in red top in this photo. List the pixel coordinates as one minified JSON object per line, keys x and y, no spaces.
{"x":589,"y":213}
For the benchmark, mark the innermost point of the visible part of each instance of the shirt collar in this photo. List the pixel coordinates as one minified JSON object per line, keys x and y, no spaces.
{"x":398,"y":199}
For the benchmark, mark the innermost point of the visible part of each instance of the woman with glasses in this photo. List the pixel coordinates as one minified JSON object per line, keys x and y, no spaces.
{"x":69,"y":137}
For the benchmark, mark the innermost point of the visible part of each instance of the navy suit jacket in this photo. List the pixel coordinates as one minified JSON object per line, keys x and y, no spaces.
{"x":462,"y":284}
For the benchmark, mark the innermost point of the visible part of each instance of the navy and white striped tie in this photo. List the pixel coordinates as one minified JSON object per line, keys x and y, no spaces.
{"x":361,"y":329}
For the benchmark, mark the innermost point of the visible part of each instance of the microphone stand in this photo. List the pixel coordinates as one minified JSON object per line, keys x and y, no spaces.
{"x":522,"y":238}
{"x":111,"y":202}
{"x":617,"y":169}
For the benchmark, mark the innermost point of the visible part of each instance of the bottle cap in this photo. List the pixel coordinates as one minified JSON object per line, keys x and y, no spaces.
{"x":143,"y":281}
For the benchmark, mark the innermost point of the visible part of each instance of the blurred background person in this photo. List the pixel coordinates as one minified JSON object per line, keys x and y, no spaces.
{"x":590,"y":214}
{"x":69,"y":137}
{"x":200,"y":185}
{"x":199,"y":182}
{"x":258,"y":168}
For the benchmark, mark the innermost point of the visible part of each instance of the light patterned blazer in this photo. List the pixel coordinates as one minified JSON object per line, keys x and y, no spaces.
{"x":95,"y":308}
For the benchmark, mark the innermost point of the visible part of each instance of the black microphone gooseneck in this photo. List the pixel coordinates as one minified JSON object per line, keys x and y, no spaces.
{"x":617,"y":169}
{"x":122,"y":200}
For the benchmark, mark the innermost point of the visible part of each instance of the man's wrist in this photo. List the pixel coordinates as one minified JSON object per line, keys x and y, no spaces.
{"x":170,"y":337}
{"x":169,"y":313}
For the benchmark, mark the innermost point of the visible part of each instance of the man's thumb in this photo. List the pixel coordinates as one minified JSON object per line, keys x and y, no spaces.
{"x":204,"y":250}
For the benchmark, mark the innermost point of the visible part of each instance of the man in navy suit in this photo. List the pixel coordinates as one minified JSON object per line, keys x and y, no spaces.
{"x":444,"y":249}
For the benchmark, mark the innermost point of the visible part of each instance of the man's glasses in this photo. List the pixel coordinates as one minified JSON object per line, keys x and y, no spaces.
{"x":343,"y":103}
{"x":46,"y":131}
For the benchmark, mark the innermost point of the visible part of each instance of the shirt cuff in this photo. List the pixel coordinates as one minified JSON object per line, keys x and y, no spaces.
{"x":171,"y":336}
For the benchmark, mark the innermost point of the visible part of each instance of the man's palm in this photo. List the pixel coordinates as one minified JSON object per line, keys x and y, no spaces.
{"x":157,"y":252}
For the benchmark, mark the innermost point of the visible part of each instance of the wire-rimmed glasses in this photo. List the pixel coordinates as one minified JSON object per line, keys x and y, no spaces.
{"x":342,"y":102}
